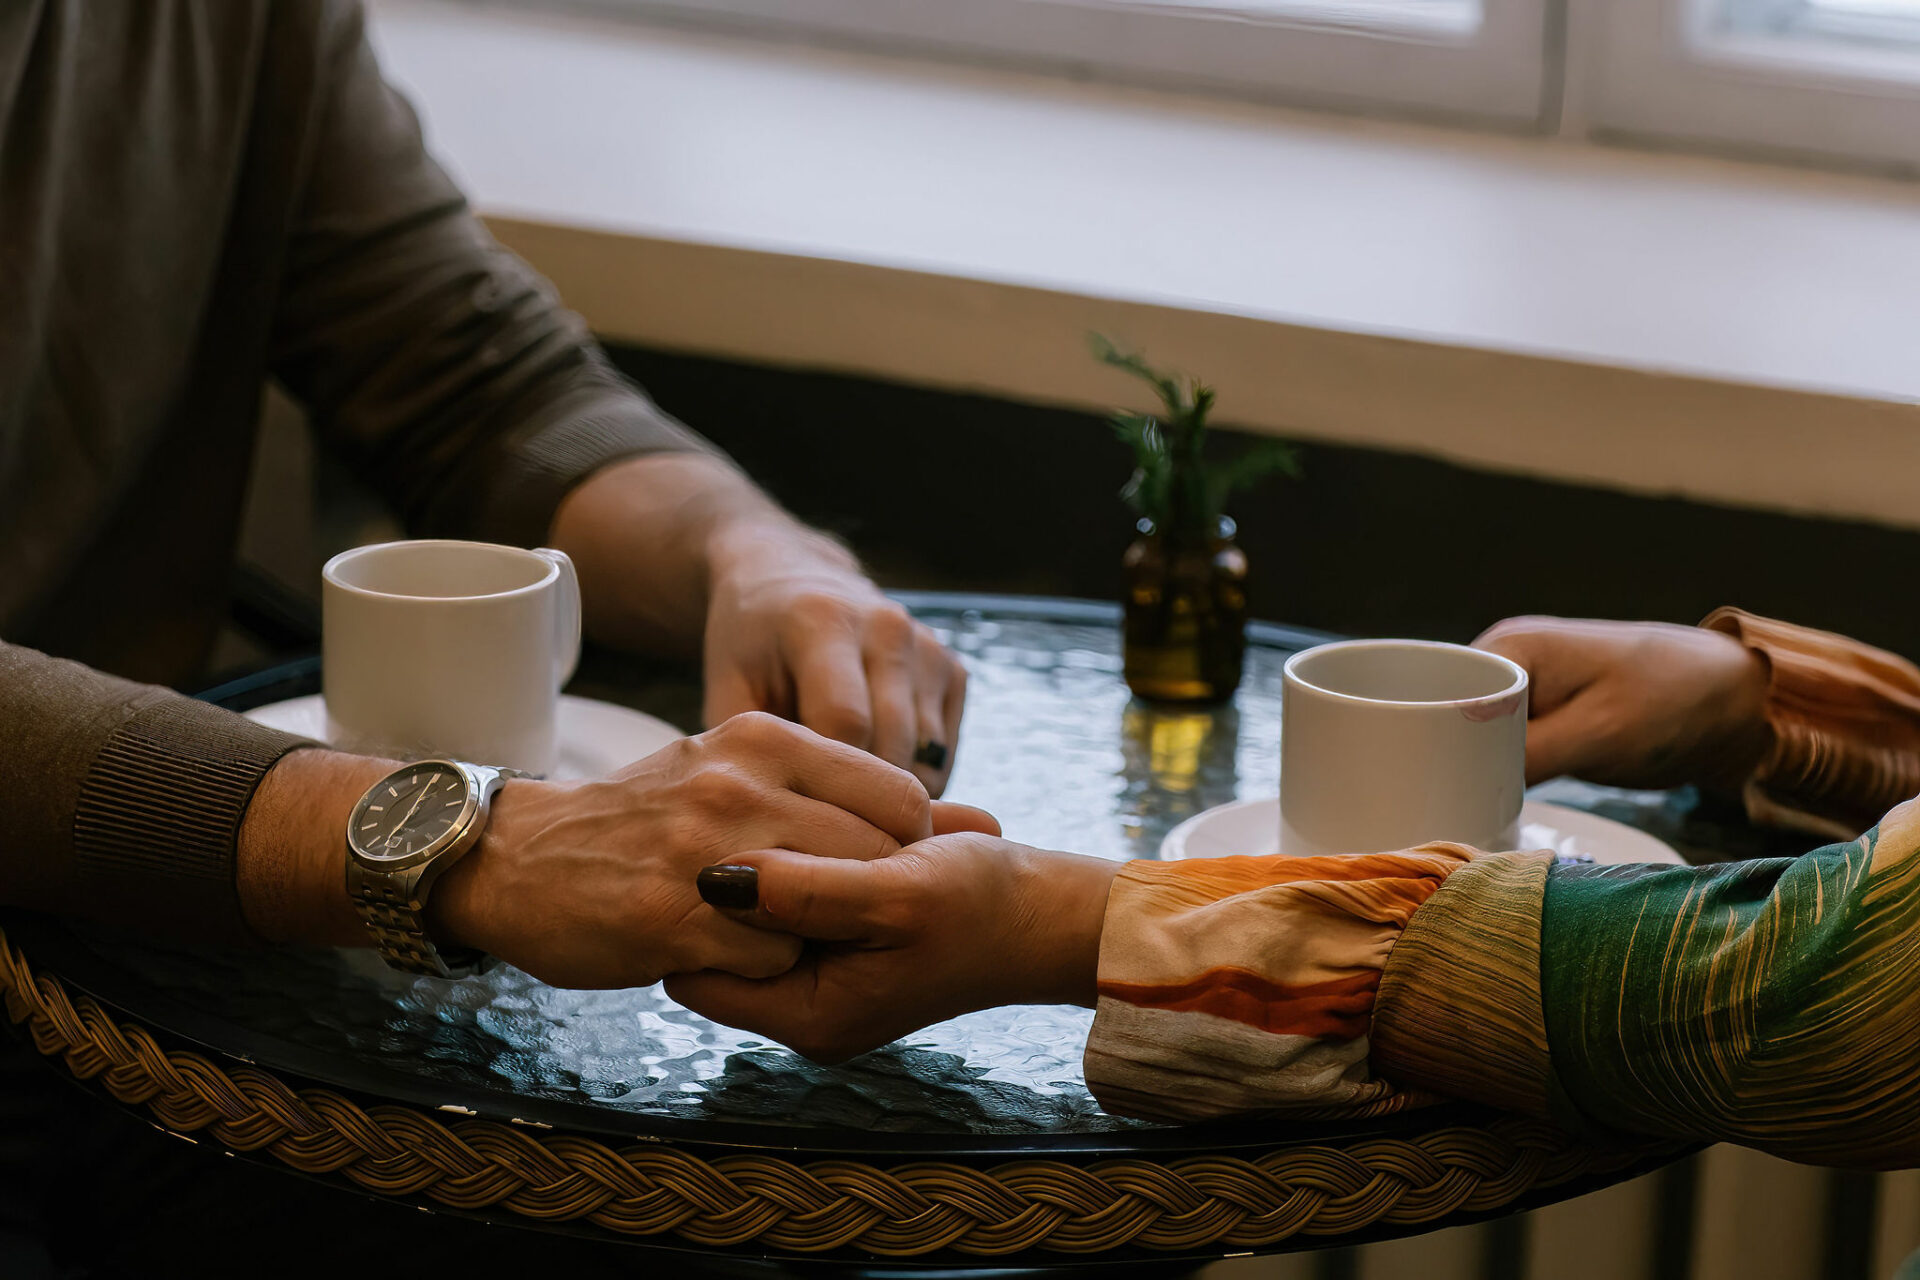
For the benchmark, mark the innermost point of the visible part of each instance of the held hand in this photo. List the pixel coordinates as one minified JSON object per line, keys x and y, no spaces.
{"x":794,"y":628}
{"x":592,"y":884}
{"x":1638,"y":704}
{"x":952,"y":924}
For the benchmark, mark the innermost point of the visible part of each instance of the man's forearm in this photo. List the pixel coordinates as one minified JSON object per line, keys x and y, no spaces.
{"x":649,"y":535}
{"x":291,"y":856}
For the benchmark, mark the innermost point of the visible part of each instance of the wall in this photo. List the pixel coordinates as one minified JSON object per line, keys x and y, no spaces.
{"x":938,"y":489}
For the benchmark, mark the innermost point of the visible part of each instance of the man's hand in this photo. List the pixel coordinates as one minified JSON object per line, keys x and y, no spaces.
{"x":794,"y":628}
{"x":960,"y":922}
{"x":680,"y":551}
{"x":593,"y":884}
{"x":1638,"y":704}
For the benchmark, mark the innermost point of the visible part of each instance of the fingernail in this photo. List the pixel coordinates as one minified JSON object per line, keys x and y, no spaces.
{"x":730,"y":888}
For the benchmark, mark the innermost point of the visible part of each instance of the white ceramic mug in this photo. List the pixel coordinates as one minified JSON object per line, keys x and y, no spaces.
{"x":441,"y":648}
{"x":1385,"y":744}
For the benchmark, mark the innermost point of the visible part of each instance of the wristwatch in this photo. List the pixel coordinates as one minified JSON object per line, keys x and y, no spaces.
{"x":403,"y":834}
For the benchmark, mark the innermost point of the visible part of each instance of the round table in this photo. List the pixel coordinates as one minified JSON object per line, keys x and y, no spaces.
{"x":622,"y":1115}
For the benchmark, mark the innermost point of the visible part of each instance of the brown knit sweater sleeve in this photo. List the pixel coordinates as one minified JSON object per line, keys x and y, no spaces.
{"x":124,"y":800}
{"x":1846,"y":728}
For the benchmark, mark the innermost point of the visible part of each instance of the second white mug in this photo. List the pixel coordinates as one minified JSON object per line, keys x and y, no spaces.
{"x":443,"y":648}
{"x":1385,"y":744}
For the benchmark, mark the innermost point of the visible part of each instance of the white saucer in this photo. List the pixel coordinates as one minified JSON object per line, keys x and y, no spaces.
{"x":595,"y":737}
{"x":1253,"y":827}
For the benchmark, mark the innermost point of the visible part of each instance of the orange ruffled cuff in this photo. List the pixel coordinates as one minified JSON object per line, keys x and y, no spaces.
{"x":1846,"y":726}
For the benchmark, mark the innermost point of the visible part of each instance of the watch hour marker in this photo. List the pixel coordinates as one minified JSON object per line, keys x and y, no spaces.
{"x":375,"y":808}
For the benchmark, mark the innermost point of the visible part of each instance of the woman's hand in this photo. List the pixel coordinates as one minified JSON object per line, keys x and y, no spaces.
{"x":592,"y":884}
{"x":952,"y":924}
{"x":1638,"y":704}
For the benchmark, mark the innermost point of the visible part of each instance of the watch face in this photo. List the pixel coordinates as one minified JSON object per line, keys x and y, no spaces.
{"x":408,"y":811}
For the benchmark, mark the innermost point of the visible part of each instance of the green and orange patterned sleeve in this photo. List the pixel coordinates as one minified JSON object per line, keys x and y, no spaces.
{"x":1773,"y":1003}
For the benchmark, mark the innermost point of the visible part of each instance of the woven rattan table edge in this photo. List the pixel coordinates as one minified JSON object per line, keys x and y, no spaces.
{"x":899,"y":1209}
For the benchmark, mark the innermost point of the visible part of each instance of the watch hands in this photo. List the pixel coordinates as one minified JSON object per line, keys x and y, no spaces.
{"x":417,"y":798}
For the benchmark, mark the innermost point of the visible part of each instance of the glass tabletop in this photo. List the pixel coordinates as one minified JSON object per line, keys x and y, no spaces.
{"x":1053,"y":745}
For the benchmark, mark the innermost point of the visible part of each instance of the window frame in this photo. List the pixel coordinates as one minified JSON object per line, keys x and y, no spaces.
{"x":1496,"y":72}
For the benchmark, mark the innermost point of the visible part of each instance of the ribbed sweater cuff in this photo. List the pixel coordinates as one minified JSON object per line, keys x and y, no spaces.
{"x":159,"y":815}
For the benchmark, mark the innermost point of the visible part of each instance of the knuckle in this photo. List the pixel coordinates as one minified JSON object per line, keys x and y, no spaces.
{"x":680,"y":754}
{"x":845,"y":722}
{"x":929,"y":645}
{"x":912,"y":806}
{"x":1505,"y":629}
{"x":721,"y":787}
{"x":890,"y":626}
{"x":750,"y":731}
{"x":814,"y":610}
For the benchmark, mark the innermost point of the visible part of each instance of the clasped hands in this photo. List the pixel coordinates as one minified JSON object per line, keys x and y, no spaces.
{"x":918,"y":910}
{"x":856,"y":909}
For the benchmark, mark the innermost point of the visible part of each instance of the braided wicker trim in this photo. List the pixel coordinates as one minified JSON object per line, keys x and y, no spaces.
{"x":902,"y":1210}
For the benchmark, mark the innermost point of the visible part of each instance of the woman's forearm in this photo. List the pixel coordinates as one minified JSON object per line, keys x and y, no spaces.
{"x":1774,"y":1004}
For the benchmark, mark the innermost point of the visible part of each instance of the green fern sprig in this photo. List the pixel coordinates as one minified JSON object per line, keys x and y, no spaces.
{"x":1173,"y":484}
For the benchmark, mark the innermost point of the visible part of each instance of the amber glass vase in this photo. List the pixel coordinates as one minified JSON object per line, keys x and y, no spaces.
{"x":1185,"y":629}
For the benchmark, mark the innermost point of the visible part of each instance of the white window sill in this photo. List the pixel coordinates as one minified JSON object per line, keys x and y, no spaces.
{"x":1730,"y":332}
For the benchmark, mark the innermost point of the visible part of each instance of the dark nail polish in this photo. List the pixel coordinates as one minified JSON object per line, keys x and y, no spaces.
{"x":932,"y":754}
{"x":730,"y":888}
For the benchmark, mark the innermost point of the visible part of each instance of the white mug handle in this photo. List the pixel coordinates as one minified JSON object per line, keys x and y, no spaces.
{"x":566,"y":616}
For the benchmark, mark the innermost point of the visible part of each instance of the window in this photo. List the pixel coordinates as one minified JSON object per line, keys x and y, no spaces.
{"x":1859,"y":22}
{"x":1834,"y":78}
{"x":1829,"y":77}
{"x":1480,"y":59}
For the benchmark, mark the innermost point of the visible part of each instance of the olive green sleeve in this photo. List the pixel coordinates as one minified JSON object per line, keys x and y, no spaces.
{"x":440,"y":366}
